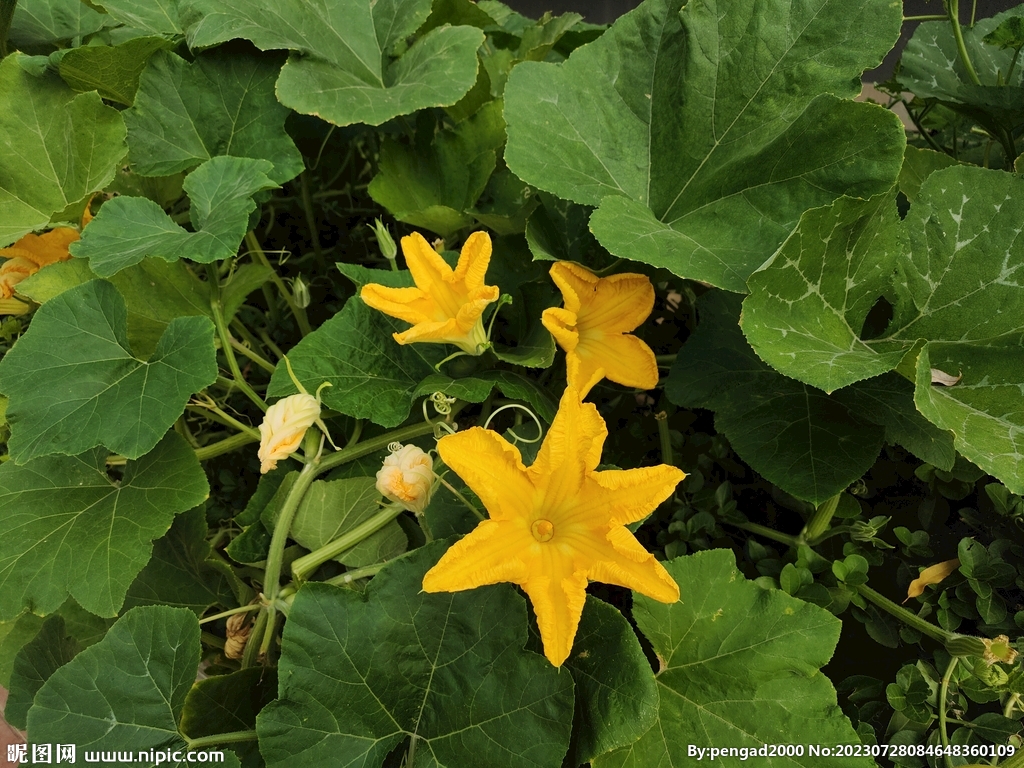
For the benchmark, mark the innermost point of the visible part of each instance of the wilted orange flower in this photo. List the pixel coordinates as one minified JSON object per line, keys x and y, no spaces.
{"x":447,"y":305}
{"x":32,"y":253}
{"x":593,"y":327}
{"x":555,"y":524}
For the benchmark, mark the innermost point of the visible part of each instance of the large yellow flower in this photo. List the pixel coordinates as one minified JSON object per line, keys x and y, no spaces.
{"x":32,"y":253}
{"x":593,"y":327}
{"x":555,"y":524}
{"x":446,"y":306}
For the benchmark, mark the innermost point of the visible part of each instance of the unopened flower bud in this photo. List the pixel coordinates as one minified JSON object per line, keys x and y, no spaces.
{"x":384,"y":240}
{"x":283,"y":428}
{"x":300,"y":292}
{"x":407,"y":477}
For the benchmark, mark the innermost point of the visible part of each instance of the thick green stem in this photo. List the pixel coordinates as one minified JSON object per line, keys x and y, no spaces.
{"x":354,"y":575}
{"x":943,"y":693}
{"x":304,"y":566}
{"x":768,"y":533}
{"x":953,"y":12}
{"x":227,"y":445}
{"x":225,"y":339}
{"x":300,"y":314}
{"x":232,"y":737}
{"x":251,"y":653}
{"x":910,"y":619}
{"x":373,"y":445}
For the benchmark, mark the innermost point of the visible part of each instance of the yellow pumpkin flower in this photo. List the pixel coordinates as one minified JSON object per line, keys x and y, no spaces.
{"x":283,"y":427}
{"x":555,"y":524}
{"x":593,"y":327}
{"x":446,"y":306}
{"x":407,"y":477}
{"x":31,"y":253}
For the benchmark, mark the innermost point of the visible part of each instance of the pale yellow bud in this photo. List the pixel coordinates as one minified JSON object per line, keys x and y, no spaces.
{"x":283,"y":428}
{"x":407,"y":477}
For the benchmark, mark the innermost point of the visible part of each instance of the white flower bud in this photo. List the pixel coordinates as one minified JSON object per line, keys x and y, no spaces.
{"x":407,"y":477}
{"x":283,"y":428}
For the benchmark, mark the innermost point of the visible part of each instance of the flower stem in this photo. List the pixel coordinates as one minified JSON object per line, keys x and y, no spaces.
{"x":943,"y":693}
{"x":927,"y":17}
{"x":232,"y":737}
{"x":664,"y":438}
{"x":299,"y":313}
{"x":216,"y":414}
{"x":910,"y":619}
{"x":354,"y":575}
{"x":225,"y":338}
{"x":461,"y":498}
{"x":314,"y":233}
{"x":304,"y":566}
{"x":240,"y":347}
{"x":768,"y":533}
{"x":227,"y":445}
{"x":372,"y":445}
{"x":230,"y":612}
{"x":953,"y":12}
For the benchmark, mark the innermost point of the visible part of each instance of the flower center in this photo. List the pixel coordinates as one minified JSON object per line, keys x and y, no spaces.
{"x":542,"y":530}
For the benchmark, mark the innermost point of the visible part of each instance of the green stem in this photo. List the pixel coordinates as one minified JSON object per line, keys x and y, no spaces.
{"x":357,"y":573}
{"x":373,"y":445}
{"x":664,"y":438}
{"x":225,"y":338}
{"x":270,"y":343}
{"x":299,"y":313}
{"x":232,"y":737}
{"x":226,"y":445}
{"x":216,"y":414}
{"x":231,"y":612}
{"x":1013,"y":65}
{"x":953,"y":13}
{"x":908,"y":618}
{"x":304,"y":566}
{"x":211,"y":639}
{"x":927,"y":17}
{"x":820,"y":520}
{"x":768,"y":533}
{"x":943,"y":693}
{"x":461,"y":498}
{"x":314,"y":233}
{"x":1011,"y":704}
{"x":665,"y":359}
{"x":251,"y":653}
{"x":275,"y":555}
{"x":239,"y":347}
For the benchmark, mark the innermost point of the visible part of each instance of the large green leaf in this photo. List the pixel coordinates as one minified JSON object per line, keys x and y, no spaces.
{"x":362,"y":673}
{"x":47,"y":652}
{"x":806,"y":442}
{"x":68,"y":528}
{"x":56,"y":148}
{"x":740,"y":667}
{"x":128,"y":229}
{"x":114,"y":70}
{"x":222,"y":103}
{"x":14,"y":635}
{"x":155,"y":292}
{"x":127,"y":692}
{"x":372,"y":376}
{"x":434,"y":186}
{"x":343,"y":68}
{"x":229,"y":703}
{"x":181,"y":572}
{"x":40,"y":24}
{"x":75,"y":384}
{"x":956,"y":288}
{"x":702,"y":134}
{"x":332,"y":508}
{"x":157,"y":16}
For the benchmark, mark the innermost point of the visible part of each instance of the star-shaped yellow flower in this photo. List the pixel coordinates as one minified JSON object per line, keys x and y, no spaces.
{"x":446,"y":306}
{"x":593,"y":327}
{"x":555,"y":524}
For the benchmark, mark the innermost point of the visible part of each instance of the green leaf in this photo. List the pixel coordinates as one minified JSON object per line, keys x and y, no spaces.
{"x":69,"y":529}
{"x":372,"y":376}
{"x":918,"y":164}
{"x":243,"y":281}
{"x":476,"y":388}
{"x":155,"y":292}
{"x":181,"y":572}
{"x":222,"y":103}
{"x":47,"y":652}
{"x":127,"y":692}
{"x":888,"y":400}
{"x":157,"y":16}
{"x":703,"y":133}
{"x":434,"y":186}
{"x":506,"y":203}
{"x":342,"y":68}
{"x":740,"y":667}
{"x":74,"y":383}
{"x":957,"y":289}
{"x":797,"y":437}
{"x":112,"y":70}
{"x":1009,"y":34}
{"x":14,"y":635}
{"x":330,"y":509}
{"x":465,"y":689}
{"x":808,"y":304}
{"x":59,"y":148}
{"x":44,"y":23}
{"x":128,"y":229}
{"x":558,"y":231}
{"x":616,"y":694}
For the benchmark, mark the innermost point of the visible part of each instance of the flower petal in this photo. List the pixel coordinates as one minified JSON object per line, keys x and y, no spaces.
{"x":473,"y":309}
{"x":623,"y":496}
{"x":558,"y":604}
{"x":474,"y":260}
{"x":561,"y":323}
{"x":620,"y":304}
{"x":487,"y":555}
{"x":576,"y":283}
{"x":620,"y":559}
{"x":571,"y":448}
{"x":493,"y":468}
{"x":626,"y":360}
{"x":409,"y":304}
